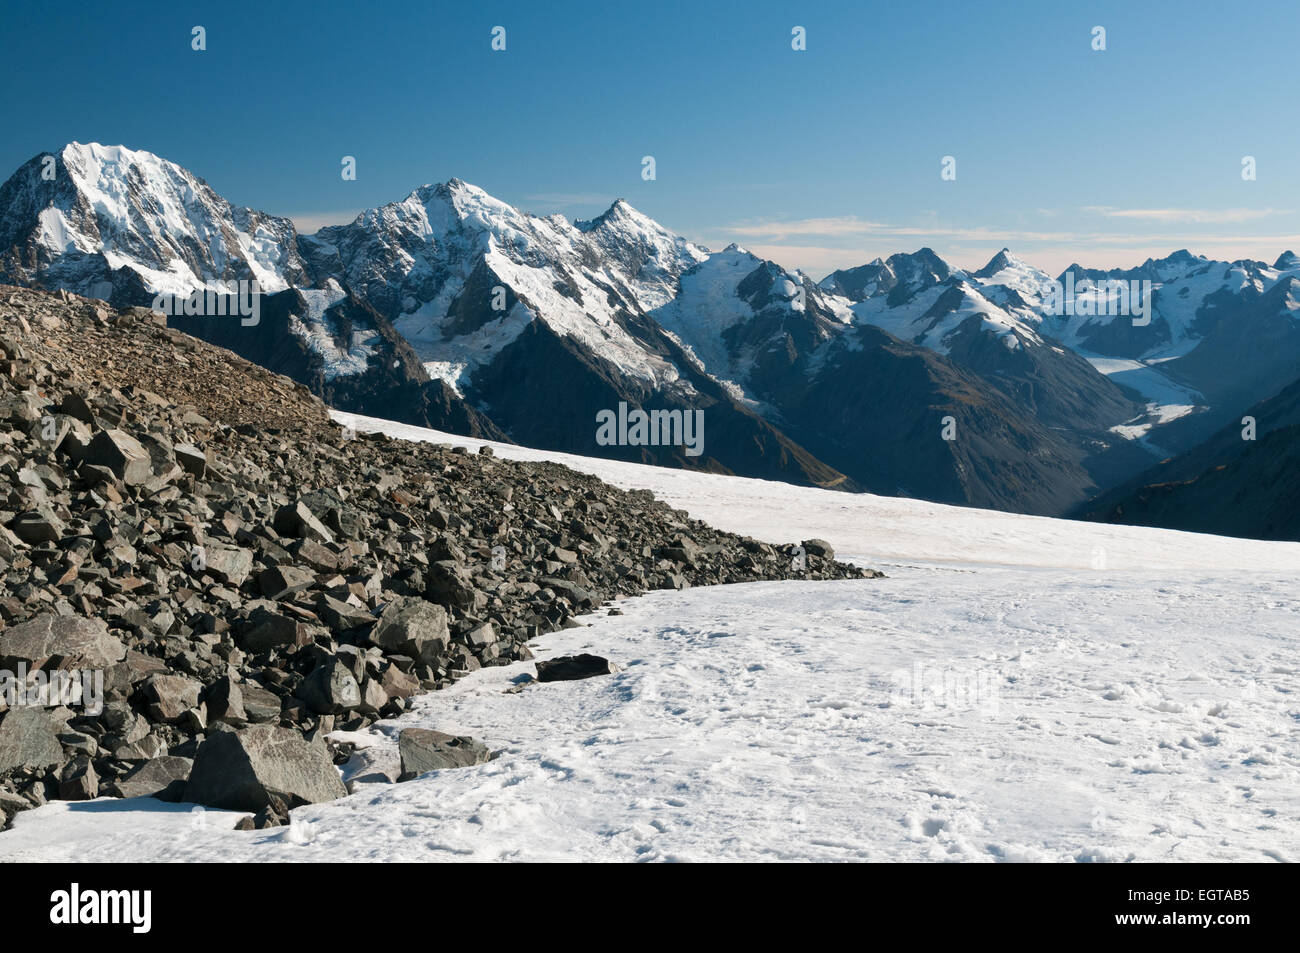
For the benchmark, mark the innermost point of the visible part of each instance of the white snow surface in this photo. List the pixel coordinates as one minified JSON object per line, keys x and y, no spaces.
{"x":1017,"y":689}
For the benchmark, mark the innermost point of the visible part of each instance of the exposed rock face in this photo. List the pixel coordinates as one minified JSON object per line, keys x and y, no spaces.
{"x":244,"y":574}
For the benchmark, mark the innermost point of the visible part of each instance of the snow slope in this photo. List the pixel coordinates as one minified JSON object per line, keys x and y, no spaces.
{"x":1018,"y":689}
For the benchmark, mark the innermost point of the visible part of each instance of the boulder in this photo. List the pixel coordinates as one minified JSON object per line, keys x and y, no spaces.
{"x":568,"y":668}
{"x":29,"y":737}
{"x":163,"y":778}
{"x":423,"y":750}
{"x":64,"y":641}
{"x":412,"y":626}
{"x":243,"y":770}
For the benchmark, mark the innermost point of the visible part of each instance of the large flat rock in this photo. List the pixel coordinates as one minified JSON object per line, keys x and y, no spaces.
{"x":242,"y":770}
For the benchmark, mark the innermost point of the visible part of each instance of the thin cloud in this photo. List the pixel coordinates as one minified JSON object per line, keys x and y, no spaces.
{"x":849,"y":227}
{"x":1195,"y":216}
{"x":842,"y":225}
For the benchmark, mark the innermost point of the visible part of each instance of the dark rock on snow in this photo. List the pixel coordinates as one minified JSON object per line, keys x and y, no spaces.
{"x":568,"y":668}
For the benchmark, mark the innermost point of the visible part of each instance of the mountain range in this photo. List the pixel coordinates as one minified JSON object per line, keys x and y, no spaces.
{"x":903,"y":376}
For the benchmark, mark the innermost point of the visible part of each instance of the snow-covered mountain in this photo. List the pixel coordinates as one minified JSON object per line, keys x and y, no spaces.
{"x":454,"y":309}
{"x":1217,"y":337}
{"x":430,"y":264}
{"x":543,"y":323}
{"x":112,"y":222}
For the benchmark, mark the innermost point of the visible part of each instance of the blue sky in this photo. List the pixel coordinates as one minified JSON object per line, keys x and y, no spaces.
{"x":819,"y":159}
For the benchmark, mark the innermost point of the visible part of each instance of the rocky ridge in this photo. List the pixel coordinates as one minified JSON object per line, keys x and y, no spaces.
{"x":249,"y":577}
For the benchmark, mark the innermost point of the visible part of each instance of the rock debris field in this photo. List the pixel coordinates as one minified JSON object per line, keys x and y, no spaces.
{"x":211,"y":576}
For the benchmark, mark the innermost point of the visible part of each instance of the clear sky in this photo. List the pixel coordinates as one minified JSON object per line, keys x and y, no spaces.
{"x":820,"y":158}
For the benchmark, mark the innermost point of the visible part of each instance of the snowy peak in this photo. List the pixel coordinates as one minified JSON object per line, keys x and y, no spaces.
{"x":1011,"y":282}
{"x":620,"y":216}
{"x":110,"y":217}
{"x":901,"y":277}
{"x":1002,"y":261}
{"x":651,"y":258}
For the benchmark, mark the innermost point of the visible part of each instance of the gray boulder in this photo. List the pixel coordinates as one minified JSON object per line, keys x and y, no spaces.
{"x":163,"y":778}
{"x":243,"y":770}
{"x":411,"y":626}
{"x":29,"y":737}
{"x":66,"y":641}
{"x":423,"y":750}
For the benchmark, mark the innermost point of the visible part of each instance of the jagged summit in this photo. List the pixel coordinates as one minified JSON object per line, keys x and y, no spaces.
{"x":999,"y":262}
